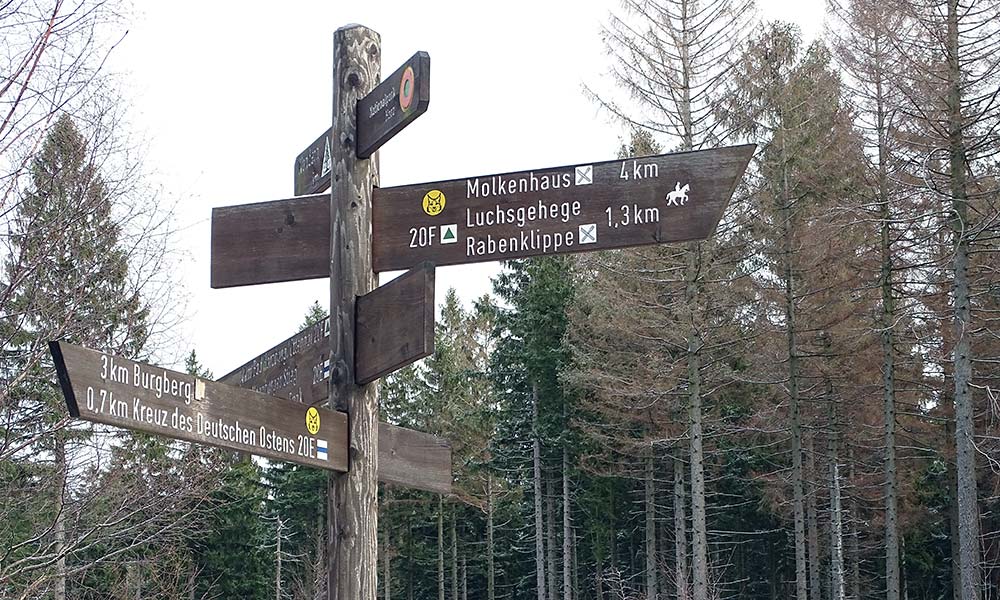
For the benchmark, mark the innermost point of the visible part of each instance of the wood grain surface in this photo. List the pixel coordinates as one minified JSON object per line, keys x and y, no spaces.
{"x":266,"y":242}
{"x":395,"y":324}
{"x":108,"y":389}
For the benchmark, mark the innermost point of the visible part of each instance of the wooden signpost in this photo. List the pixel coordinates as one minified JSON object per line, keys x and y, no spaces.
{"x":269,"y":405}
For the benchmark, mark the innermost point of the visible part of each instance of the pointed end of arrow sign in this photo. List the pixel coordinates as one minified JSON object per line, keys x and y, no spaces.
{"x":738,"y":160}
{"x":63,"y":375}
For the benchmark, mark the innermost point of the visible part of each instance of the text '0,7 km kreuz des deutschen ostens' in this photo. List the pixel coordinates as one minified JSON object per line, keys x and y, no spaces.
{"x":185,"y":416}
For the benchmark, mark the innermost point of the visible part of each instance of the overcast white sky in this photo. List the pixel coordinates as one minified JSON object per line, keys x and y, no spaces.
{"x":228,"y":93}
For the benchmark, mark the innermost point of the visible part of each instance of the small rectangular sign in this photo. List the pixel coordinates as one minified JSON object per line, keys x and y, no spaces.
{"x":312,"y":166}
{"x":109,"y":389}
{"x":413,"y":459}
{"x":393,"y":104}
{"x":578,"y":208}
{"x":394,"y":324}
{"x":267,"y":242}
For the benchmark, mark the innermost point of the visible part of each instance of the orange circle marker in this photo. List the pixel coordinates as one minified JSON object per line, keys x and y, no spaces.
{"x":406,"y":85}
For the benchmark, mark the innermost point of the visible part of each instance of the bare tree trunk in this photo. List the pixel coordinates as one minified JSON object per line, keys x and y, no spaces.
{"x":793,"y":391}
{"x":490,"y":568}
{"x":576,"y":567}
{"x":680,"y":531}
{"x":440,"y":548}
{"x":855,"y":543}
{"x":539,"y":532}
{"x":465,"y":580}
{"x":567,"y":529}
{"x":650,"y":510}
{"x":409,"y":558}
{"x":968,"y":510}
{"x":812,"y":522}
{"x":277,"y":562}
{"x":454,"y":556}
{"x":837,"y":584}
{"x":699,"y":534}
{"x":386,"y":572}
{"x":886,"y":324}
{"x":550,"y":539}
{"x":60,"y":525}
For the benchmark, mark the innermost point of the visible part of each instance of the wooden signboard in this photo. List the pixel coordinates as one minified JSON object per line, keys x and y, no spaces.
{"x":297,"y":369}
{"x":116,"y":391}
{"x":626,"y":203}
{"x":395,"y":327}
{"x":414,"y":459}
{"x":615,"y":204}
{"x":394,"y":104}
{"x":312,"y":166}
{"x":394,"y":324}
{"x":283,"y":240}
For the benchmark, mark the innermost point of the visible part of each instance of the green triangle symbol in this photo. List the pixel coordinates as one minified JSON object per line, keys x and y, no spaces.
{"x":449,"y":234}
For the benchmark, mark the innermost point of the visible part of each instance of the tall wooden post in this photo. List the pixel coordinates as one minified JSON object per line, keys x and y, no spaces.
{"x":352,"y":504}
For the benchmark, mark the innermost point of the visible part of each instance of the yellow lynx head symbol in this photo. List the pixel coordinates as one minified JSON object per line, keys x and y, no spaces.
{"x":312,"y":420}
{"x":434,"y":202}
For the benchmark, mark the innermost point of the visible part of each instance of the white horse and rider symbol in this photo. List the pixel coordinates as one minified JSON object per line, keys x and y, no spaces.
{"x":679,"y":196}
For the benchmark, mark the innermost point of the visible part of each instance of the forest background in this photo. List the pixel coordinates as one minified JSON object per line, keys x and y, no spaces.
{"x":806,"y":404}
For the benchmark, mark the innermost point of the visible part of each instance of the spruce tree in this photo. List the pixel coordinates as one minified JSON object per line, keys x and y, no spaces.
{"x":66,"y":278}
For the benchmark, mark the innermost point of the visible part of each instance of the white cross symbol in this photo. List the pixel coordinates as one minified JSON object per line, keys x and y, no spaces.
{"x":585,"y":175}
{"x":588,"y":233}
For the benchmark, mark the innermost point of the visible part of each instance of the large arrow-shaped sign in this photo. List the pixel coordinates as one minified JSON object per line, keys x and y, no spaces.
{"x":595,"y":206}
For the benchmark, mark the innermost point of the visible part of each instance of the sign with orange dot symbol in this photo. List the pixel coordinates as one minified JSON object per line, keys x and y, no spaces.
{"x":406,"y":88}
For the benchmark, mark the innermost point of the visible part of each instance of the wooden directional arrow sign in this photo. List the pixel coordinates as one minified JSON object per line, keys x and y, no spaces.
{"x":312,"y":166}
{"x":616,"y":204}
{"x":297,"y":369}
{"x":108,"y":389}
{"x":113,"y":390}
{"x":578,"y":208}
{"x":394,"y":104}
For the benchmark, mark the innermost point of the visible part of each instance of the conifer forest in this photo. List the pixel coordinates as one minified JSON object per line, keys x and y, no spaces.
{"x":805,"y":405}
